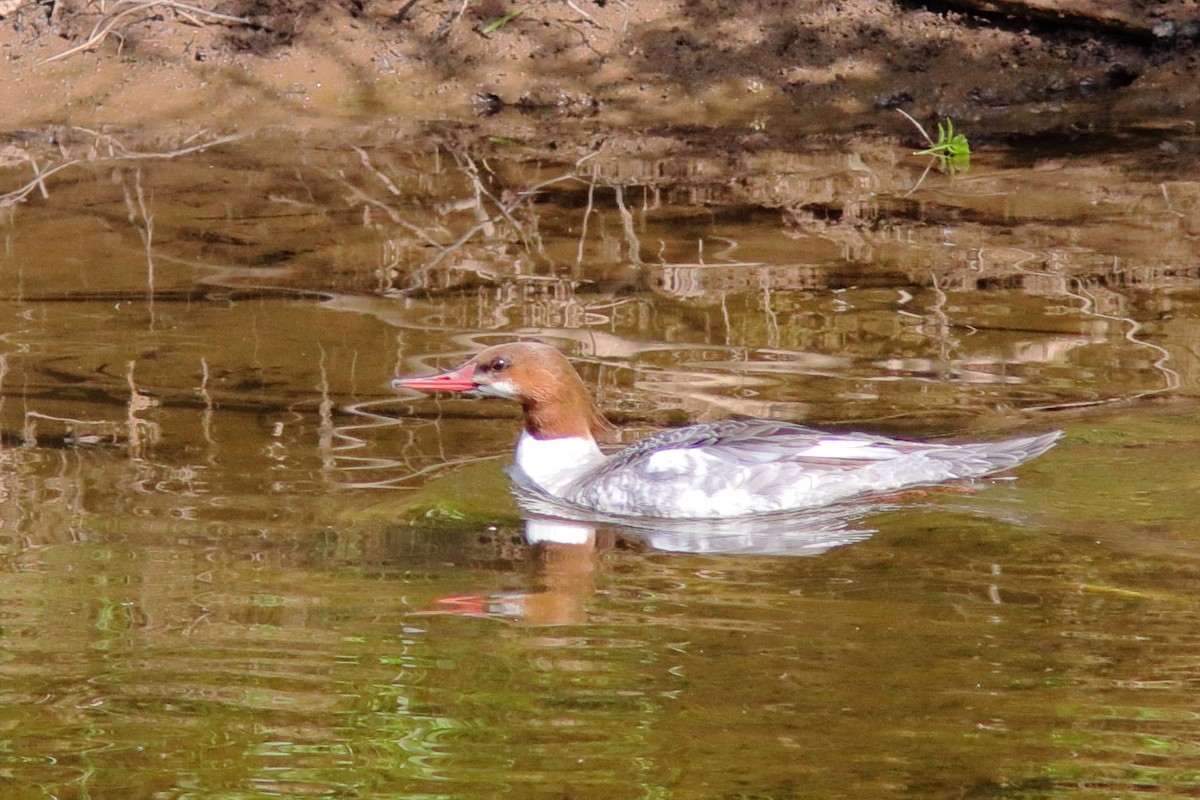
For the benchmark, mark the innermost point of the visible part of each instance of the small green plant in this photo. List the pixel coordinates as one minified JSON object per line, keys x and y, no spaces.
{"x":949,"y":144}
{"x":951,"y":152}
{"x":497,"y":24}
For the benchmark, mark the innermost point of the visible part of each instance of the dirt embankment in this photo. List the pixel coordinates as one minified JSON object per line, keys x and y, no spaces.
{"x":767,"y":68}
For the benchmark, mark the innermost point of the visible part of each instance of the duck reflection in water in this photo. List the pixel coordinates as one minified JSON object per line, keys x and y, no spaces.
{"x":569,"y":542}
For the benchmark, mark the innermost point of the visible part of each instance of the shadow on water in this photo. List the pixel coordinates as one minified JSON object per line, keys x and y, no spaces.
{"x":235,"y":565}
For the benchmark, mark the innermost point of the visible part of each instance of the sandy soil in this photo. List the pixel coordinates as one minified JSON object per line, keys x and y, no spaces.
{"x":762,"y":68}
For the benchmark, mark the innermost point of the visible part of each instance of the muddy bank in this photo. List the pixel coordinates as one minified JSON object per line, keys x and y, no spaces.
{"x":766,"y":70}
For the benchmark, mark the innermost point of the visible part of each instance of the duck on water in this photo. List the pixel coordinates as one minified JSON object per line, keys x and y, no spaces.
{"x":717,"y":470}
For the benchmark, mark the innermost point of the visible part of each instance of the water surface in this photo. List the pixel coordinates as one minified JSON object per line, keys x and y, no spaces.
{"x":234,"y":565}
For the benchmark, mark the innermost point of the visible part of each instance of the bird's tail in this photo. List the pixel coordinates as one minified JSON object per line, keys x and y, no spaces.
{"x":988,"y":458}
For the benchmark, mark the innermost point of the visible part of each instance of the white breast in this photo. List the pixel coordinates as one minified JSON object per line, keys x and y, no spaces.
{"x":554,"y":463}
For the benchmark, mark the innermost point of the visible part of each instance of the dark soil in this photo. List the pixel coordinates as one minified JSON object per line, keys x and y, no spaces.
{"x":765,"y":68}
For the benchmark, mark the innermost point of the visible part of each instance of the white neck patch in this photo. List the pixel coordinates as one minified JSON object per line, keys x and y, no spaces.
{"x":554,"y":463}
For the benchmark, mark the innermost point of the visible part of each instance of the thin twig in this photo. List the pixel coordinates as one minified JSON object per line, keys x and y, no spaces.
{"x":477,"y":186}
{"x":587,"y":213}
{"x":38,"y":182}
{"x":400,"y":15}
{"x":920,"y":127}
{"x":627,"y":225}
{"x":105,"y":26}
{"x":384,"y":179}
{"x":578,"y":10}
{"x":449,"y":22}
{"x":921,"y":179}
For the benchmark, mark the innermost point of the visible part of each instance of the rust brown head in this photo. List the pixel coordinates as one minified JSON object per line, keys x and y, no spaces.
{"x":551,"y":393}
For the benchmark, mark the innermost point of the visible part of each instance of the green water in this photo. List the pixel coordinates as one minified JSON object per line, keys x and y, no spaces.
{"x":233,"y":565}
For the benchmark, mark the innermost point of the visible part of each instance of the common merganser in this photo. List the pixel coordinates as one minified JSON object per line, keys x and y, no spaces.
{"x":714,"y":470}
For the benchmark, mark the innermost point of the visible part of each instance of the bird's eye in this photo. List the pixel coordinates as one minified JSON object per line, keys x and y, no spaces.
{"x":498,"y":364}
